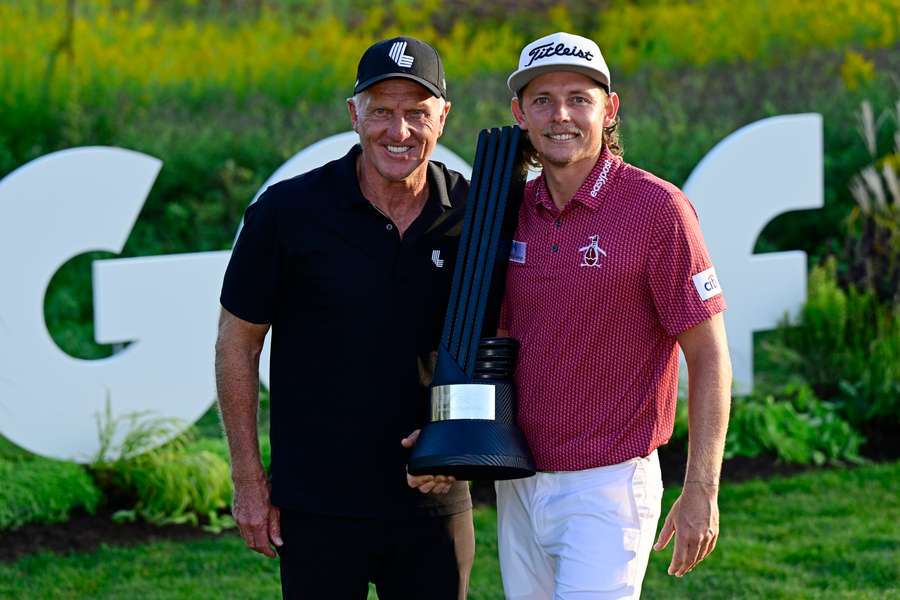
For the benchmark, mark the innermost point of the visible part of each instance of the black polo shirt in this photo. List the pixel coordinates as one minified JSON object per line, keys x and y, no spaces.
{"x":352,"y":308}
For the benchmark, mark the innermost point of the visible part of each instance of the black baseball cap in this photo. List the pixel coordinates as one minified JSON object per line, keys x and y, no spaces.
{"x":404,"y":57}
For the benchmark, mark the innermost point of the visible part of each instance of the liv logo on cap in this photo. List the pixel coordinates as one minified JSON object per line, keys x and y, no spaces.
{"x":559,"y":52}
{"x":404,"y":58}
{"x":401,"y":59}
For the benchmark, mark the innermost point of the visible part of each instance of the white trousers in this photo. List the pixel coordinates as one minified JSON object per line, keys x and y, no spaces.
{"x":579,"y":535}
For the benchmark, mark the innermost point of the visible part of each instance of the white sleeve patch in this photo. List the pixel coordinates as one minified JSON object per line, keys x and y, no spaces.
{"x":707,"y":284}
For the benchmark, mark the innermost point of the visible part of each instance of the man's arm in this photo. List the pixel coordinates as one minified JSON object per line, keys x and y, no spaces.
{"x":694,"y":518}
{"x":237,"y":378}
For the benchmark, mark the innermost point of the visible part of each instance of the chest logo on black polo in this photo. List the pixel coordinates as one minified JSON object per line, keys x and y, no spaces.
{"x":436,"y":259}
{"x":590,"y":254}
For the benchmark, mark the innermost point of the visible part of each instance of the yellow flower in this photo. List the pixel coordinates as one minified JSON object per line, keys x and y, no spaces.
{"x":856,"y":70}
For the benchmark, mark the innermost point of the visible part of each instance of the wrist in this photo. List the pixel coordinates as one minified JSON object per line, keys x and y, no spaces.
{"x":709,"y":483}
{"x":249,"y":476}
{"x":709,"y":489}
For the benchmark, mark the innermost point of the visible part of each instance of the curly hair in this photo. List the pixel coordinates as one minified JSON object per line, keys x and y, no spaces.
{"x":610,"y":139}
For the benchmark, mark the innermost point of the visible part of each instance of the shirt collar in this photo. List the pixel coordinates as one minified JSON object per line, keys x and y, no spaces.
{"x":594,"y":189}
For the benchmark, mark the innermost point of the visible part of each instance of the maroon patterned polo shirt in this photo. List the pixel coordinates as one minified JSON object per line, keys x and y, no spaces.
{"x":596,"y":294}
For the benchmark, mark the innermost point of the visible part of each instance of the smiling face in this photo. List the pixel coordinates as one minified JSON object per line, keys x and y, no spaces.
{"x":399,"y":123}
{"x":564,"y":114}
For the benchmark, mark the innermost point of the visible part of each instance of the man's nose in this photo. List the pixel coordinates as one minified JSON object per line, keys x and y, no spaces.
{"x":560,"y":113}
{"x":399,"y":128}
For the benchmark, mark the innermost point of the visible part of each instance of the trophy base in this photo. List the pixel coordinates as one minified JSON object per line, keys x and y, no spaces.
{"x":493,"y":451}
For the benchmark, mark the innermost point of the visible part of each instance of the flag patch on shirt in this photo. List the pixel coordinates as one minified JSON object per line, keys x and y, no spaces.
{"x":707,"y":284}
{"x":517,"y":252}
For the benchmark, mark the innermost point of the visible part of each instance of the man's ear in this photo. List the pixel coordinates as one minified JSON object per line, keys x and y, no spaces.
{"x":444,"y":114}
{"x":354,"y":116}
{"x":612,"y":109}
{"x":518,"y":115}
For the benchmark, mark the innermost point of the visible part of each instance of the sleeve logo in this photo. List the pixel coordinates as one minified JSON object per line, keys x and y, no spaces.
{"x":707,"y":284}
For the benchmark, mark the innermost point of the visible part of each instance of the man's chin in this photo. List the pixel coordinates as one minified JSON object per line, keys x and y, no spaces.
{"x":397,"y":175}
{"x":557,"y":161}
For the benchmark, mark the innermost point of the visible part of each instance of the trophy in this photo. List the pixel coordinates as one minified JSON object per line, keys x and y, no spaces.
{"x":471,"y":433}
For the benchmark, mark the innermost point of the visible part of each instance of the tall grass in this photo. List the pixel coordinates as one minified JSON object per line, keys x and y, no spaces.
{"x":116,"y":48}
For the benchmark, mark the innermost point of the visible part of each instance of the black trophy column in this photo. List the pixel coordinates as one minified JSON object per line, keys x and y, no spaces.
{"x":472,"y":432}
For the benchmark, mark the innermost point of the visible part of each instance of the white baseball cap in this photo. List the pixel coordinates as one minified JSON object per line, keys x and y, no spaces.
{"x":559,"y":52}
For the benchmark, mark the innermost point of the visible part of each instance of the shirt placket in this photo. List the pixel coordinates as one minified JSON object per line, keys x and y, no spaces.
{"x":553,"y":230}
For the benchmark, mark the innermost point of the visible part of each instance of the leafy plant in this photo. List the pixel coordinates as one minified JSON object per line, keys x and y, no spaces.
{"x":173,"y":486}
{"x":132,"y":434}
{"x":872,"y":248}
{"x":167,"y":484}
{"x":43,"y":491}
{"x":846,"y":344}
{"x":794,"y":426}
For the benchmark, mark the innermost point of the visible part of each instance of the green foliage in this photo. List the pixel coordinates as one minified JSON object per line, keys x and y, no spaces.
{"x":794,"y":426}
{"x":846,"y":344}
{"x":872,"y":247}
{"x":37,"y":490}
{"x":680,"y":430}
{"x":9,"y":452}
{"x":129,"y":435}
{"x":174,"y":486}
{"x":172,"y":483}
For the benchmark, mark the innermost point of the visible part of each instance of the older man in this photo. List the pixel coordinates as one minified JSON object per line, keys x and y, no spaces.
{"x":608,"y":276}
{"x":350,"y":266}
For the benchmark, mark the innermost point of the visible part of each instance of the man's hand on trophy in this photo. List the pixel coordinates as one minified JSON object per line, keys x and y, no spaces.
{"x":427,"y":484}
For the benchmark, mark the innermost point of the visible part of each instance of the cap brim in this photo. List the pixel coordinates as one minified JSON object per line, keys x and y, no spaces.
{"x":521,"y":78}
{"x":435,"y":91}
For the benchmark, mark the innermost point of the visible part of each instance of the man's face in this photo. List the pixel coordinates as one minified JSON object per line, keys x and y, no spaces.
{"x":564,"y":114}
{"x":399,"y":123}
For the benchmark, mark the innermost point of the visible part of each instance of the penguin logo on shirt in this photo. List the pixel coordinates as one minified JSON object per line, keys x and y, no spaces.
{"x":591,"y":253}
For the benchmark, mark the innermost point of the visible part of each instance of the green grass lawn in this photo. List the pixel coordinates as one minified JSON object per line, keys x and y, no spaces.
{"x":825,"y":534}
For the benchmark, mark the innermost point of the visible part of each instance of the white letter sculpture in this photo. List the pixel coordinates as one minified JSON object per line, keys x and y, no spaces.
{"x":757,"y":173}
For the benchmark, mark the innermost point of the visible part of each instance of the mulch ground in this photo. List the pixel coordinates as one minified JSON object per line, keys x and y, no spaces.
{"x":84,"y":533}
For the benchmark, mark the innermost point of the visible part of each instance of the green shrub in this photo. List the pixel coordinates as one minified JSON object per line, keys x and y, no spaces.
{"x":169,"y":484}
{"x":9,"y":452}
{"x":43,"y":491}
{"x":795,"y":426}
{"x":172,"y":485}
{"x":846,"y":344}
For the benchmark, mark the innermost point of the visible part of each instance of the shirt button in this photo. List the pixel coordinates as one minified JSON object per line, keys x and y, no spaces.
{"x":554,"y":247}
{"x":558,"y":223}
{"x":389,"y":226}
